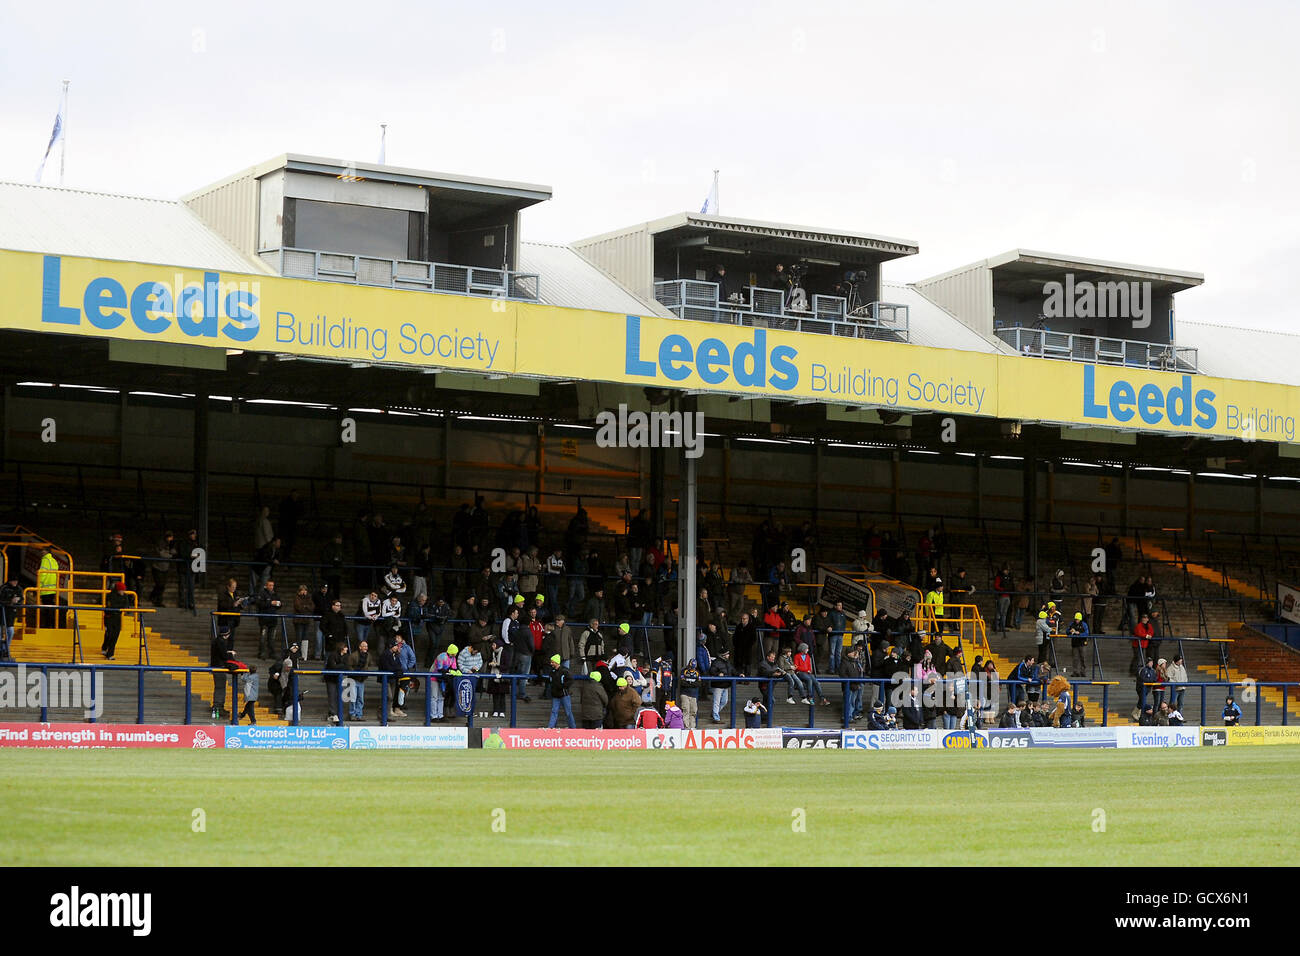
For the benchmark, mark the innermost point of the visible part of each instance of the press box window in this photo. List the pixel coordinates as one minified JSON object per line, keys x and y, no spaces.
{"x":358,"y":230}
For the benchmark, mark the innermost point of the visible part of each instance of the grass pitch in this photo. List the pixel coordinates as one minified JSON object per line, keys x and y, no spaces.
{"x":981,"y":807}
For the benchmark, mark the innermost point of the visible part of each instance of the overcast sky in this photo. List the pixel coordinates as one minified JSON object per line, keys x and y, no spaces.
{"x":1162,"y":134}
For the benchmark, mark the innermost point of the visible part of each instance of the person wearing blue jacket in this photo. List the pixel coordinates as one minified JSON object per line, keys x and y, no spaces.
{"x":1023,"y":674}
{"x":1231,"y":712}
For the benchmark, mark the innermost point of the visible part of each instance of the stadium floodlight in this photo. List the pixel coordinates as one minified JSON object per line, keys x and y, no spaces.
{"x":358,"y":365}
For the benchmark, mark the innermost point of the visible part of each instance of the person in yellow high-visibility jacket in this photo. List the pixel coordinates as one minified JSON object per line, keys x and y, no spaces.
{"x":47,"y":583}
{"x":935,"y":600}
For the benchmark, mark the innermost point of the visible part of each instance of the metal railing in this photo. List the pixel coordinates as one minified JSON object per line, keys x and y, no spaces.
{"x":403,"y":273}
{"x":770,"y":308}
{"x":986,"y":696}
{"x":1044,"y":343}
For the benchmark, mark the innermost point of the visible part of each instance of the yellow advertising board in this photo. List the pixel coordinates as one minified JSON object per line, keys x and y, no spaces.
{"x":161,"y":304}
{"x":1261,"y":736}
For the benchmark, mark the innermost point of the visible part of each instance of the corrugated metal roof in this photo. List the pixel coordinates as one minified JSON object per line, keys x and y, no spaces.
{"x":71,"y":222}
{"x":1254,"y":355}
{"x":570,"y":280}
{"x":323,"y":164}
{"x":932,"y":325}
{"x":785,"y":230}
{"x":1180,"y":276}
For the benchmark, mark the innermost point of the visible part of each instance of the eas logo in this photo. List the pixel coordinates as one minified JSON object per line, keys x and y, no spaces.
{"x":812,"y":742}
{"x":1153,"y":405}
{"x":153,"y":306}
{"x":999,"y":741}
{"x":711,"y":360}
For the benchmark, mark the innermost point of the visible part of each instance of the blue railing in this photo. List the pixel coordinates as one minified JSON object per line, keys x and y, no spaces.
{"x":385,"y":681}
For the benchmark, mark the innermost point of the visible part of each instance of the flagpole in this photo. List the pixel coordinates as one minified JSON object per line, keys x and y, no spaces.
{"x":63,"y":148}
{"x":717,"y":204}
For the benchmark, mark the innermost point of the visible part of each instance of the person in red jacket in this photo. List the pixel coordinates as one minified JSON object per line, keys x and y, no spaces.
{"x":1142,"y":632}
{"x":803,"y":664}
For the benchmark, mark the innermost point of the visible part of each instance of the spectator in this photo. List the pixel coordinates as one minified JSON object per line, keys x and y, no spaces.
{"x":1003,"y":585}
{"x":336,"y":661}
{"x":1174,"y":715}
{"x":593,"y":645}
{"x":262,"y":533}
{"x":358,"y":661}
{"x":554,"y":576}
{"x":623,"y":706}
{"x":913,"y":713}
{"x":469,"y":661}
{"x":1231,"y":712}
{"x":11,"y":595}
{"x":740,"y":580}
{"x":803,"y":666}
{"x":268,"y":557}
{"x":1022,"y":599}
{"x":1176,"y":676}
{"x":166,"y":552}
{"x":248,"y":683}
{"x":529,"y":568}
{"x":851,"y":670}
{"x":1146,"y":677}
{"x":1113,"y":555}
{"x":333,"y":628}
{"x":444,"y":665}
{"x":1043,"y":635}
{"x":721,"y":667}
{"x":769,"y":668}
{"x":389,"y":625}
{"x":394,"y":583}
{"x":369,"y":611}
{"x":1162,"y":675}
{"x":1147,"y":717}
{"x":745,"y":637}
{"x":688,"y":686}
{"x":593,"y":701}
{"x":839,"y":623}
{"x":1011,"y":717}
{"x":498,"y":687}
{"x":754,"y":712}
{"x":332,"y":564}
{"x":1078,"y":641}
{"x":268,"y":620}
{"x":1157,"y":632}
{"x":878,"y":718}
{"x":1022,"y":676}
{"x":304,"y":608}
{"x":1140,"y":643}
{"x":114,"y":604}
{"x":1135,"y":606}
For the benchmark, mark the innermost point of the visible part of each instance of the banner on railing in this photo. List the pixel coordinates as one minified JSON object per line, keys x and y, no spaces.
{"x":1288,"y":603}
{"x":834,"y":587}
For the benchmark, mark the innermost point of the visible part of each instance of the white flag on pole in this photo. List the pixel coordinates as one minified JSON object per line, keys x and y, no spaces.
{"x":55,"y":136}
{"x":710,"y":206}
{"x":383,"y":142}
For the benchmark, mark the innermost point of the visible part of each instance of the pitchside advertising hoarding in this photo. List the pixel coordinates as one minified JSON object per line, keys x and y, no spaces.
{"x":157,"y":303}
{"x":220,"y":736}
{"x":94,"y":736}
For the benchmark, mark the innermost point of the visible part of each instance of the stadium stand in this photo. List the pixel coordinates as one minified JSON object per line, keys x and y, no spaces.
{"x":464,"y":448}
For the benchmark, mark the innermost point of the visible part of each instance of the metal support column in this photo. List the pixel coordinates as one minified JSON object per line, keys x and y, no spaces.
{"x":658,"y":503}
{"x":686,"y":587}
{"x":446,"y":454}
{"x":1029,"y":516}
{"x":1259,"y":508}
{"x":1123,"y":514}
{"x":201,"y":443}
